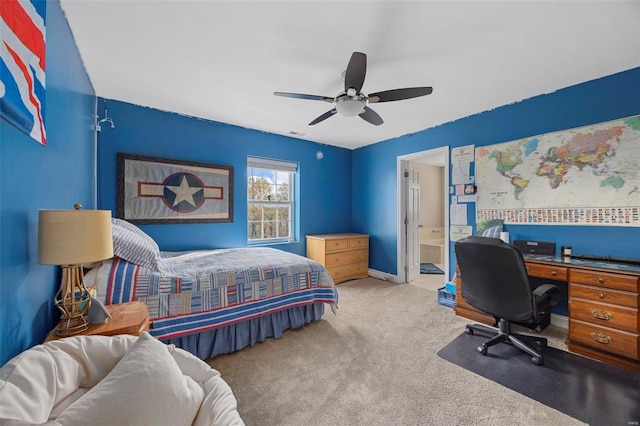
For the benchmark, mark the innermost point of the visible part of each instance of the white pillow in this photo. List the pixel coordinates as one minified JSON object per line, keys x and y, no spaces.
{"x":133,"y":245}
{"x":191,"y":365}
{"x":145,"y":388}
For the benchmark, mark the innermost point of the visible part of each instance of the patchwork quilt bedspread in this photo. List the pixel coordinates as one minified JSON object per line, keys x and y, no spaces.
{"x":201,"y":290}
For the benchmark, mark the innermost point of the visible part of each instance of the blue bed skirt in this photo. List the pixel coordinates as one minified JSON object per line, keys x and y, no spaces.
{"x":234,"y":337}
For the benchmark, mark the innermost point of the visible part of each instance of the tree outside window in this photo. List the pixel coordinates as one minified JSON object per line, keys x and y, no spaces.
{"x":270,"y":205}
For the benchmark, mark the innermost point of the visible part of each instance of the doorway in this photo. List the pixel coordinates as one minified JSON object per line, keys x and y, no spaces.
{"x":410,"y":233}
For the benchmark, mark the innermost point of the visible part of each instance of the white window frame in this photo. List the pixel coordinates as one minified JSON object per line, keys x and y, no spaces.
{"x":273,"y":166}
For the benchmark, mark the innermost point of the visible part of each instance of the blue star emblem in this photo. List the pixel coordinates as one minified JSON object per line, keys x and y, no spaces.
{"x":183,"y":192}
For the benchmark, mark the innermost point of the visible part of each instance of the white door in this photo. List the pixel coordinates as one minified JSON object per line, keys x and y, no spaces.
{"x":412,"y":222}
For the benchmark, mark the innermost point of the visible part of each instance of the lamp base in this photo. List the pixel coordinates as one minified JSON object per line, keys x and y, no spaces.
{"x":71,"y":326}
{"x":73,"y":300}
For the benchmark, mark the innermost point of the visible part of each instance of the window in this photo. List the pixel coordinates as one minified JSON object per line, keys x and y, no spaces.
{"x":270,"y":201}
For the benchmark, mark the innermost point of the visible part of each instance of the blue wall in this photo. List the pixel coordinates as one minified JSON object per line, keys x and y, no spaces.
{"x":374,"y":167}
{"x":34,"y":177}
{"x":345,"y":191}
{"x":325,"y":190}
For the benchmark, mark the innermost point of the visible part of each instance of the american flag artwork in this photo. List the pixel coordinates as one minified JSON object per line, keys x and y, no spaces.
{"x":22,"y":65}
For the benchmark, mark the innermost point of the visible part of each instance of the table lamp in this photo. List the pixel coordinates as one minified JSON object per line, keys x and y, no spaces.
{"x":70,"y":238}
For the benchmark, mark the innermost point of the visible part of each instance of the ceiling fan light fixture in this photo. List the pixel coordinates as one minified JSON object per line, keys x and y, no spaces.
{"x":350,"y":106}
{"x":352,"y":101}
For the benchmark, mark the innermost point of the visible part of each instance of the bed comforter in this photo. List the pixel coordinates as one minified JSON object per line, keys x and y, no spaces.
{"x":197,"y":291}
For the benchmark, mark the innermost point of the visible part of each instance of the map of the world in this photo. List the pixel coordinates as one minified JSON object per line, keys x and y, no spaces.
{"x":588,"y":175}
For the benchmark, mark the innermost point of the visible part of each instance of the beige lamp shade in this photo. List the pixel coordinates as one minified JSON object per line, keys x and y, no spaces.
{"x":73,"y":237}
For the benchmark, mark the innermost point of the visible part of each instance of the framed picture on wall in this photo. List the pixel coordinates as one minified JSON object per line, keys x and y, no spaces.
{"x":161,"y":190}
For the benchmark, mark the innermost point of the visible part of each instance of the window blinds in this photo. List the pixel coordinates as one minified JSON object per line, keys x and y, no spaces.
{"x":266,"y":163}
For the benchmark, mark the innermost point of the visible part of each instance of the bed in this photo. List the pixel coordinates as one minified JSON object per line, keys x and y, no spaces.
{"x":211,"y":302}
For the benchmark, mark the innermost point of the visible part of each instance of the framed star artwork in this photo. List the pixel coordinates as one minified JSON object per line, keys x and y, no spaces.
{"x":162,"y":190}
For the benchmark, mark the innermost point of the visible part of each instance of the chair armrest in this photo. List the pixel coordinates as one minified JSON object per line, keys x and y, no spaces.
{"x":549,"y":291}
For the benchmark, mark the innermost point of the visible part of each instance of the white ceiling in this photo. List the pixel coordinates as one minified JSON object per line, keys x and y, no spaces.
{"x":222,"y":60}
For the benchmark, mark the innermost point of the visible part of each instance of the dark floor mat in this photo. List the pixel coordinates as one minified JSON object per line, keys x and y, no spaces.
{"x":430,"y":268}
{"x":587,"y":390}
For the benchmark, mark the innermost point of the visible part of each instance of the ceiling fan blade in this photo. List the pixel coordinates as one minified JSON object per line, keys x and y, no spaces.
{"x":371,"y":116}
{"x":356,"y":71}
{"x":323,"y":116}
{"x":399,"y":94}
{"x":303,"y":96}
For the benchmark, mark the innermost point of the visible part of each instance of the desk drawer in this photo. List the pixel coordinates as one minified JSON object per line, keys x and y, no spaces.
{"x":599,"y":294}
{"x":604,"y":339}
{"x":618,"y":317}
{"x":346,"y":257}
{"x":604,"y":279}
{"x":550,"y":272}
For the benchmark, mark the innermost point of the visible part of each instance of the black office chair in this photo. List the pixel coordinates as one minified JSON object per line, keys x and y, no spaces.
{"x":494,"y":280}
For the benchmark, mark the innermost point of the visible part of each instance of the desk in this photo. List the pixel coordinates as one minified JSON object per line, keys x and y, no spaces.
{"x":603,"y":307}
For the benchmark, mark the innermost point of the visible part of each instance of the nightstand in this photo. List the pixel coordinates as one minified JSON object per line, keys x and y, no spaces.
{"x":127,"y":318}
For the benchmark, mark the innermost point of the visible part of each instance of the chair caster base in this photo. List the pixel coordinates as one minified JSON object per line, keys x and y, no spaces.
{"x":532,"y":345}
{"x":540,"y":344}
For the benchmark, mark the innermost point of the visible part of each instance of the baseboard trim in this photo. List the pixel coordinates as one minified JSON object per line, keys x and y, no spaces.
{"x":560,"y":321}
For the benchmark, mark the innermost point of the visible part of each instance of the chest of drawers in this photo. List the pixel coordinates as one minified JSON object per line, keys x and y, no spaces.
{"x":346,"y":256}
{"x":603,"y":315}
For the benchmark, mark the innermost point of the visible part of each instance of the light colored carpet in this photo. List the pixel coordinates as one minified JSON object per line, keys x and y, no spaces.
{"x":375,"y":363}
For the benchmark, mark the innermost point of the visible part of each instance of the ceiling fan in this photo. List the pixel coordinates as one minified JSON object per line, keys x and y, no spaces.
{"x":352,"y":101}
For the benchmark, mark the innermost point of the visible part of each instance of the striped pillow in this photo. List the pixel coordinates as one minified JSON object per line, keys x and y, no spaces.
{"x":129,"y":226}
{"x":133,"y":245}
{"x":493,"y":232}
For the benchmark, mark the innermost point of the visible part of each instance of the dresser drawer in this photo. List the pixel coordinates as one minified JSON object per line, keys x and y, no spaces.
{"x":599,"y":294}
{"x":604,"y":339}
{"x":345,"y":272}
{"x":550,"y":272}
{"x":618,"y":317}
{"x":347,"y":257}
{"x":604,"y":279}
{"x":336,"y":245}
{"x":356,"y":243}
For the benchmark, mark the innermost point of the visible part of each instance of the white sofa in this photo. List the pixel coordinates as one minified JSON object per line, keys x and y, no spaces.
{"x":98,"y":380}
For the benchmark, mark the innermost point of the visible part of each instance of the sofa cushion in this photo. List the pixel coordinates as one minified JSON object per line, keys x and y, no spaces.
{"x":145,"y":387}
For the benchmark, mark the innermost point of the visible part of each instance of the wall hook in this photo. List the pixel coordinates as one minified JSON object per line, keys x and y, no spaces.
{"x":106,"y":119}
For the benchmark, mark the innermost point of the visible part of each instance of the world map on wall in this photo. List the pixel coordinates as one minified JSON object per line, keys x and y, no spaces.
{"x":564,"y":177}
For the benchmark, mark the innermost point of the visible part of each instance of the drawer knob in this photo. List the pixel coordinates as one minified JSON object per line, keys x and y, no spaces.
{"x":601,"y":296}
{"x":554,"y":273}
{"x":600,"y":314}
{"x":601,"y":280}
{"x":601,"y":338}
